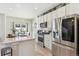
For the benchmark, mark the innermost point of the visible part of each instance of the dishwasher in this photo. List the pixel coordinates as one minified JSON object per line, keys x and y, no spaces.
{"x":7,"y":51}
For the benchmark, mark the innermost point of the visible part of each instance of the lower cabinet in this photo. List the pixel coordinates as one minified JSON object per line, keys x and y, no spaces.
{"x":62,"y":50}
{"x":47,"y":41}
{"x":55,"y":50}
{"x":15,"y":49}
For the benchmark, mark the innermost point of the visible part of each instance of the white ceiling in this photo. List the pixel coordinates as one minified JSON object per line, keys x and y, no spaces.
{"x":25,"y":10}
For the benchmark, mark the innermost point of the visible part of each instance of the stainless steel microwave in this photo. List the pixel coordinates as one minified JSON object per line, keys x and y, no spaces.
{"x":43,"y":25}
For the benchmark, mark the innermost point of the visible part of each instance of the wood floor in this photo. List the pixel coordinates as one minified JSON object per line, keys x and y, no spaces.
{"x":31,"y":48}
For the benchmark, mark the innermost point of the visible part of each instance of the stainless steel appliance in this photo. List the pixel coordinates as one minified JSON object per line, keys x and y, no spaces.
{"x":41,"y":34}
{"x":70,"y":32}
{"x":41,"y":38}
{"x":7,"y":51}
{"x":56,"y":30}
{"x":67,"y":30}
{"x":43,"y":25}
{"x":69,"y":25}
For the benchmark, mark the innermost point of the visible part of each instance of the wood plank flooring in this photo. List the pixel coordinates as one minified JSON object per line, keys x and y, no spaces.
{"x":31,"y":48}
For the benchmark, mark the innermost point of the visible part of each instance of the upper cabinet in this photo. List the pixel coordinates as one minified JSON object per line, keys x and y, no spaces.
{"x":49,"y":18}
{"x":45,"y":18}
{"x":54,"y":14}
{"x":61,"y":12}
{"x":69,"y":9}
{"x":40,"y":20}
{"x":72,"y":8}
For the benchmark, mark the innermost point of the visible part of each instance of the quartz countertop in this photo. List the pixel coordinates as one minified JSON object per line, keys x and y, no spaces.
{"x":16,"y":39}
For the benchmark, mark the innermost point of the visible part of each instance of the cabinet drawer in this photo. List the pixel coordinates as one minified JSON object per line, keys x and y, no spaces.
{"x":62,"y":50}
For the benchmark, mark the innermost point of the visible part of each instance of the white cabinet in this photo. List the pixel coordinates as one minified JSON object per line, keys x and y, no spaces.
{"x":47,"y":41}
{"x":45,"y":18}
{"x":48,"y":37}
{"x":61,"y":12}
{"x":49,"y":23}
{"x":40,"y":20}
{"x":54,"y":14}
{"x":15,"y":49}
{"x":72,"y":8}
{"x":62,"y":50}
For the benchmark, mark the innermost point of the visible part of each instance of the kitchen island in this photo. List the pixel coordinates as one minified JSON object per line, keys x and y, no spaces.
{"x":14,"y":43}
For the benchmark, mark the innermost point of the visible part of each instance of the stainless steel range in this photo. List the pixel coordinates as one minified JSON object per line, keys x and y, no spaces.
{"x":41,"y":38}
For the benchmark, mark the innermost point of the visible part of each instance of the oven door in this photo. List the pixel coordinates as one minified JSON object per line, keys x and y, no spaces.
{"x":68,"y":33}
{"x":41,"y":39}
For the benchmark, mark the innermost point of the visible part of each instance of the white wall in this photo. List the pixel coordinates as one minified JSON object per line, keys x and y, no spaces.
{"x":2,"y":26}
{"x":10,"y":19}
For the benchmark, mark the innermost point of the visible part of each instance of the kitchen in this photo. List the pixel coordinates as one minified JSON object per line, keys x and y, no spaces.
{"x":59,"y":41}
{"x":49,"y":33}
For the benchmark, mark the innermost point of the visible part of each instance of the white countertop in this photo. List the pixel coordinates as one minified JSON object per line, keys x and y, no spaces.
{"x":16,"y":39}
{"x":9,"y":42}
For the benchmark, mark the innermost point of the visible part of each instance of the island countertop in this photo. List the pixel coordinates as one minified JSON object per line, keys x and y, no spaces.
{"x":16,"y":39}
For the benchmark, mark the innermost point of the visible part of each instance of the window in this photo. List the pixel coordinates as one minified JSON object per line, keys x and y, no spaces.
{"x":21,"y":29}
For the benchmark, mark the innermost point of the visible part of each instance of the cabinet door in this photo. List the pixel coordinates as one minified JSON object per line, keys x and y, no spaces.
{"x":68,"y":51}
{"x":61,"y":50}
{"x":49,"y":19}
{"x":40,"y":20}
{"x":45,"y":18}
{"x":72,"y":8}
{"x":54,"y":14}
{"x":72,"y":52}
{"x":15,"y":49}
{"x":61,"y":12}
{"x":47,"y":41}
{"x":54,"y":50}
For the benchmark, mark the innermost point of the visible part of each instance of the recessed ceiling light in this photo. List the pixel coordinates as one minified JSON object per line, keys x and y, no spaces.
{"x":10,"y":8}
{"x":36,"y":8}
{"x":44,"y":8}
